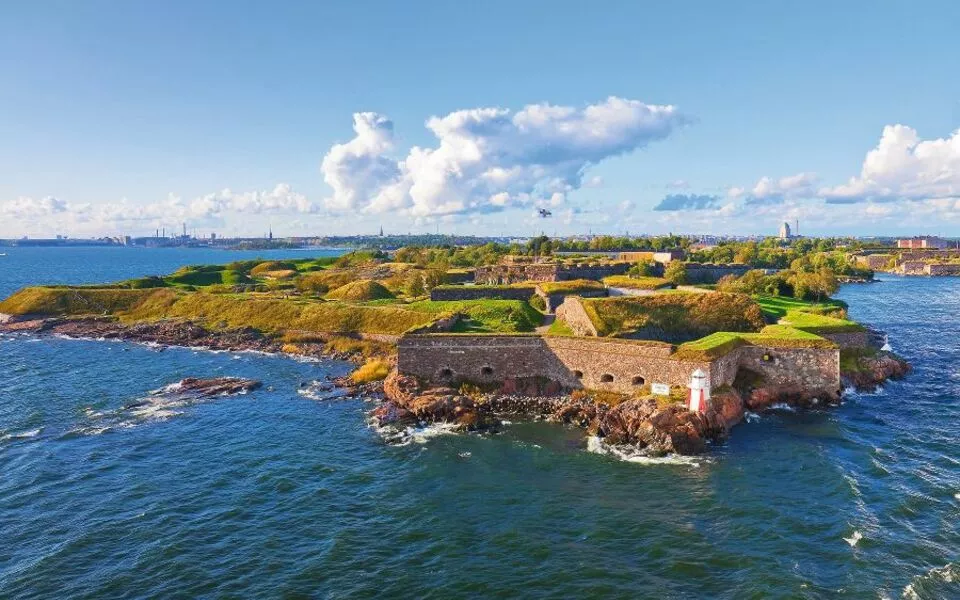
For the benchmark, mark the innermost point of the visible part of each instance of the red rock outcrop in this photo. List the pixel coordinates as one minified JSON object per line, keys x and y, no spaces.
{"x":872,"y":370}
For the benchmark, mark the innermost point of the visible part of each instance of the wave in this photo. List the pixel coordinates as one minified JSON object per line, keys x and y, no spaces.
{"x":783,"y":406}
{"x":750,"y":417}
{"x":930,"y":584}
{"x":420,"y":434}
{"x":21,"y":435}
{"x":854,"y":539}
{"x":627,"y":454}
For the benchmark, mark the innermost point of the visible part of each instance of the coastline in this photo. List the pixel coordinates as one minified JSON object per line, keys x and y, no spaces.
{"x":636,"y":426}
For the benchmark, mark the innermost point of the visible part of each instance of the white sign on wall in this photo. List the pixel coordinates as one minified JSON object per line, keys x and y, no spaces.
{"x":660,"y":389}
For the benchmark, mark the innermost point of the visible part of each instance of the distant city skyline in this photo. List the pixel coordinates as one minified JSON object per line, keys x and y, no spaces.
{"x":336,"y":119}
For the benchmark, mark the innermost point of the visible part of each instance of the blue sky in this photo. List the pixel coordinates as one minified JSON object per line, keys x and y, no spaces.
{"x":117,"y":117}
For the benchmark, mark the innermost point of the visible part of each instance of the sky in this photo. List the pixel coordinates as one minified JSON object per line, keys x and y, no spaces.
{"x":337,"y":118}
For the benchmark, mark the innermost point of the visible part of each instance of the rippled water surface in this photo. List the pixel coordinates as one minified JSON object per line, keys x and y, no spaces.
{"x":279,"y":494}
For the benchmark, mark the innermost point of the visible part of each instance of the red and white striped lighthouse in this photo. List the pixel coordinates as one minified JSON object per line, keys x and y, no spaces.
{"x":698,"y":399}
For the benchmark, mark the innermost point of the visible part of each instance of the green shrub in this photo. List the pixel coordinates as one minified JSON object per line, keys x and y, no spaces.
{"x":538,"y":302}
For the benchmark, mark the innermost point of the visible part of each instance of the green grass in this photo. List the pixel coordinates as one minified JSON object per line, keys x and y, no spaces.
{"x":776,"y":336}
{"x":559,"y":327}
{"x":778,"y":306}
{"x":571,"y":287}
{"x":636,"y":283}
{"x":818,"y":323}
{"x":485,"y":316}
{"x":268,"y":314}
{"x":712,"y":346}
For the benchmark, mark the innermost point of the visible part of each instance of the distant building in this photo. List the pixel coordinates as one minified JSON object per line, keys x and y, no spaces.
{"x":785,"y":233}
{"x":923,"y":242}
{"x":663,"y":256}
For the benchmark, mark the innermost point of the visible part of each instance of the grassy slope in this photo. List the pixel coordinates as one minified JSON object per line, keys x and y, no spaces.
{"x":681,"y":313}
{"x":268,"y":314}
{"x":777,"y":336}
{"x":486,"y":316}
{"x":636,"y":283}
{"x":778,"y":306}
{"x":570,"y":287}
{"x":812,"y":317}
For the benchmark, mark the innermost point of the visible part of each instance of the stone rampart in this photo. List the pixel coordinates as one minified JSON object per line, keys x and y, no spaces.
{"x":852,"y":339}
{"x":943,"y":269}
{"x":711,"y":273}
{"x":573,"y":314}
{"x":609,"y":364}
{"x":813,"y":369}
{"x":555,"y":300}
{"x":480,"y":292}
{"x":542,"y":272}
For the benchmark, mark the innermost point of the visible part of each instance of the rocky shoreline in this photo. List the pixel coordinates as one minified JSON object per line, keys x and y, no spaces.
{"x":646,"y":425}
{"x":166,"y":333}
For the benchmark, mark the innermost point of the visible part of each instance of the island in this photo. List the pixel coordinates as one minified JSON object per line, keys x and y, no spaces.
{"x":656,"y":348}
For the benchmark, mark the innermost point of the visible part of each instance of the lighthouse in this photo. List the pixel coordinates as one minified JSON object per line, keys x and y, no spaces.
{"x":699,"y":398}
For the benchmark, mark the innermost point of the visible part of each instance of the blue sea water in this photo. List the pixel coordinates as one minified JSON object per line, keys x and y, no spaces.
{"x":277,"y":494}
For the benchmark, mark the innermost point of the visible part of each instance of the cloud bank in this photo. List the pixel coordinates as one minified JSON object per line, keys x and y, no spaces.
{"x":209,"y":210}
{"x":488,"y":159}
{"x":903,"y":167}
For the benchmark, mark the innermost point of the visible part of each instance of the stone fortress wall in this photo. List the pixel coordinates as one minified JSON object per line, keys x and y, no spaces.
{"x":475,"y":292}
{"x":504,"y":274}
{"x":609,"y":364}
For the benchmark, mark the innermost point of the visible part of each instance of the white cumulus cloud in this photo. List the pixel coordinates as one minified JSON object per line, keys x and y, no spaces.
{"x":488,"y":159}
{"x":904,"y":167}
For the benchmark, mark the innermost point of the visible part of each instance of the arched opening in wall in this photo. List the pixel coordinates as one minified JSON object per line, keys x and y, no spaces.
{"x":638,"y":380}
{"x":487,"y":371}
{"x":578,"y":374}
{"x":446,"y":373}
{"x":606,"y":378}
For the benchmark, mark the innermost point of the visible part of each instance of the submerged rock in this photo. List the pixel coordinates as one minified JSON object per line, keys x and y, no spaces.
{"x":217,"y":386}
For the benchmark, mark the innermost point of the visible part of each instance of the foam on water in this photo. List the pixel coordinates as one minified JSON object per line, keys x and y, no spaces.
{"x":930,"y":584}
{"x":854,"y":539}
{"x":596,"y":445}
{"x":21,"y":435}
{"x":420,"y":434}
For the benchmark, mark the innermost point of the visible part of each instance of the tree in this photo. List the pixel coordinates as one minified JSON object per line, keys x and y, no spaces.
{"x":414,"y":287}
{"x":433,"y":278}
{"x":676,"y":272}
{"x":643,"y":268}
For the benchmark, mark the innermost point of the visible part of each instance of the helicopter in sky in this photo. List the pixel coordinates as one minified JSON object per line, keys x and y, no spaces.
{"x":544,"y":213}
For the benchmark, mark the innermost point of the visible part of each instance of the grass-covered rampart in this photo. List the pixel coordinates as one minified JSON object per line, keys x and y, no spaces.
{"x":680,"y":315}
{"x":636,"y":283}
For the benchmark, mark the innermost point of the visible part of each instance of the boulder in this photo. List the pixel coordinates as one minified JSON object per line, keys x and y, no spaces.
{"x":216,"y":386}
{"x":400,"y":388}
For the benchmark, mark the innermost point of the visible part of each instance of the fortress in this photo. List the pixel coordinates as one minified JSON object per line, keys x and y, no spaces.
{"x":608,"y":364}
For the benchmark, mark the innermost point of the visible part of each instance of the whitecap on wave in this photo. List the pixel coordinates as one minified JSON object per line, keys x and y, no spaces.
{"x":21,"y":435}
{"x":597,"y":446}
{"x":930,"y":584}
{"x":782,"y":406}
{"x":159,"y":405}
{"x":420,"y":434}
{"x":750,"y":417}
{"x":854,"y":538}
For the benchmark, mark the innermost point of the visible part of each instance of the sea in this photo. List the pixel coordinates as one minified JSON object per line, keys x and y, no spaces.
{"x":286,"y":492}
